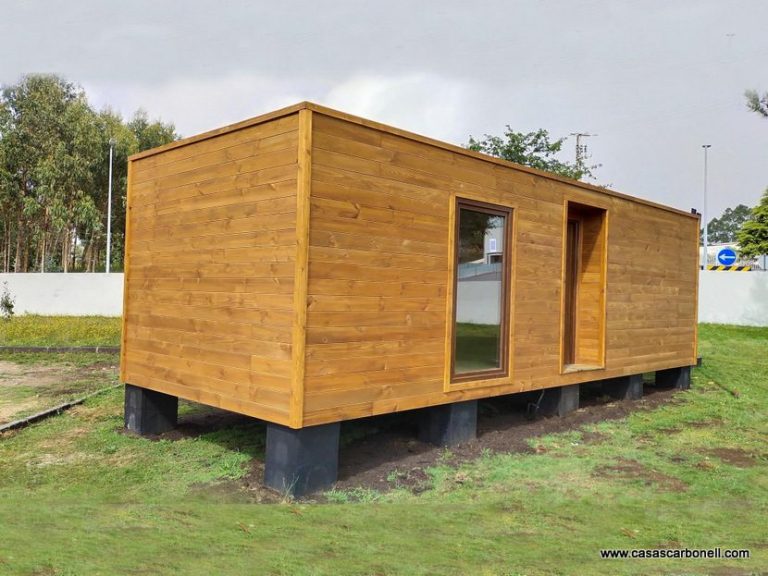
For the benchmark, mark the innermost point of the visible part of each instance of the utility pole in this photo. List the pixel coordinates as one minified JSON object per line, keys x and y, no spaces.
{"x":581,"y":149}
{"x":704,"y":211}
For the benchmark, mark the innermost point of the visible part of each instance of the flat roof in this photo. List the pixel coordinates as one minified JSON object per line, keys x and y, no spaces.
{"x":287,"y":111}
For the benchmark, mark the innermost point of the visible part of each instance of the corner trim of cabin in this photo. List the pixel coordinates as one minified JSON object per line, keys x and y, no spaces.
{"x":696,"y":296}
{"x":604,"y":289}
{"x":301,"y":274}
{"x":504,"y":377}
{"x":126,"y":257}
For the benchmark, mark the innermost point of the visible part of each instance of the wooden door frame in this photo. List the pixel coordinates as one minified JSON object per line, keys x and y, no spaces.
{"x":573,"y":249}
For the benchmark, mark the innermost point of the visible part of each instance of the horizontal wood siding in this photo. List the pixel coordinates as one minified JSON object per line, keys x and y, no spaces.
{"x":211,"y":263}
{"x":379,"y":274}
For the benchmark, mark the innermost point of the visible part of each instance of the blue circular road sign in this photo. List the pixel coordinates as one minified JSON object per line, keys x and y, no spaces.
{"x":726,"y":256}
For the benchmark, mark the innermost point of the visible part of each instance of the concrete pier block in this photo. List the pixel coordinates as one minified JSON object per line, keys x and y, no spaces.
{"x":679,"y":378}
{"x":449,"y":424}
{"x":624,"y":387}
{"x":149,"y":412}
{"x":559,"y":401}
{"x":302,"y":461}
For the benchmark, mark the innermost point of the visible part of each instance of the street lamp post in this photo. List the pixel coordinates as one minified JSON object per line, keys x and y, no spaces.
{"x":109,"y":206}
{"x":704,"y":211}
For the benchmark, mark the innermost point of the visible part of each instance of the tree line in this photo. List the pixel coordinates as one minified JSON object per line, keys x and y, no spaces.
{"x":54,"y":175}
{"x":753,"y":233}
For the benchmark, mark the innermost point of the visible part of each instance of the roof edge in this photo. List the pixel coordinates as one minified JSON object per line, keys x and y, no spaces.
{"x":306,"y":105}
{"x":492,"y":159}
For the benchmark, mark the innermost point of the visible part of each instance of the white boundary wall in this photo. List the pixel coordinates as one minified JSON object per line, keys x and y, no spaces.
{"x":724,"y":297}
{"x":479,"y":301}
{"x":733,"y":298}
{"x":57,"y":294}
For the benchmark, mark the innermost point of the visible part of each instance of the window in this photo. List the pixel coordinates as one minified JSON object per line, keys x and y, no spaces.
{"x":481,"y":301}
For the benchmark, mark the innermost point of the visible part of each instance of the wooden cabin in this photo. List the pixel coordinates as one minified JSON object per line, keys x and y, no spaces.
{"x":307,"y":267}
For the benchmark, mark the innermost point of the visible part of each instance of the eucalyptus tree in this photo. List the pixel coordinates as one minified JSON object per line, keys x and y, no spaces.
{"x":54,"y":167}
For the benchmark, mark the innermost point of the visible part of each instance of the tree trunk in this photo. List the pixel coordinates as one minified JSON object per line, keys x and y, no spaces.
{"x":17,"y":267}
{"x":91,"y":254}
{"x":73,"y":249}
{"x":89,"y":257}
{"x":65,"y":251}
{"x":8,"y":249}
{"x":4,"y":250}
{"x":41,"y":251}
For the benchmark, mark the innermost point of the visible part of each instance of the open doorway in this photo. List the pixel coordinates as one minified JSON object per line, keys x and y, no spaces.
{"x":584,"y":275}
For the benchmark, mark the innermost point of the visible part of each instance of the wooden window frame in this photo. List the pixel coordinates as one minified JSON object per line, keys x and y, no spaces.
{"x":504,"y":335}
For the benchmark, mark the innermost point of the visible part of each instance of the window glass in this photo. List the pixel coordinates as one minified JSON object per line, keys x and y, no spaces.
{"x":480,"y":325}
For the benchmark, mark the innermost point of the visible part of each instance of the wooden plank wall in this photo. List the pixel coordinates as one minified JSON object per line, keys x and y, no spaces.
{"x":652,"y":289}
{"x":210,"y":270}
{"x":379,"y":275}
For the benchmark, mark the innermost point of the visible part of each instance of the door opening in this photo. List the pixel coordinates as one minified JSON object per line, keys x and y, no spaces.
{"x":584,"y":281}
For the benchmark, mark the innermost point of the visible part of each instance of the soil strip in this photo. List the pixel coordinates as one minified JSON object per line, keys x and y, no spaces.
{"x":23,"y":422}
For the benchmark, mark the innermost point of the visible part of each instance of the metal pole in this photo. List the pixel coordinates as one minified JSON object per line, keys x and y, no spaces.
{"x":109,"y":206}
{"x":704,"y":214}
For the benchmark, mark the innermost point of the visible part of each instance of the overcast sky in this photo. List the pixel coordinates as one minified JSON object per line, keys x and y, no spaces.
{"x":653,"y":79}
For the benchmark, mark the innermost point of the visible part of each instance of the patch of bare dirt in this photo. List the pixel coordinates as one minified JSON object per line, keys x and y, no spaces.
{"x":43,"y":460}
{"x":8,"y":410}
{"x":732,"y":571}
{"x":734,"y":457}
{"x":698,"y":424}
{"x":383,"y":452}
{"x":634,"y":470}
{"x":12,"y":374}
{"x":44,"y":385}
{"x":393,"y":456}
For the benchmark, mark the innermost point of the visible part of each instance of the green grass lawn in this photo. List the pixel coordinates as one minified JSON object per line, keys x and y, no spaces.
{"x":33,"y":330}
{"x":78,"y":497}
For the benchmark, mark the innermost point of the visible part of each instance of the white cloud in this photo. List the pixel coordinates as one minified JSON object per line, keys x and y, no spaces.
{"x":424,"y":103}
{"x":429,"y":104}
{"x":195,"y":105}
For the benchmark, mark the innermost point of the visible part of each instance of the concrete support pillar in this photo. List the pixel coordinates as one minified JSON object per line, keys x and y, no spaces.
{"x":679,"y":378}
{"x":624,"y":387}
{"x":148,"y":412}
{"x":449,"y":424}
{"x":559,"y":401}
{"x":302,"y":461}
